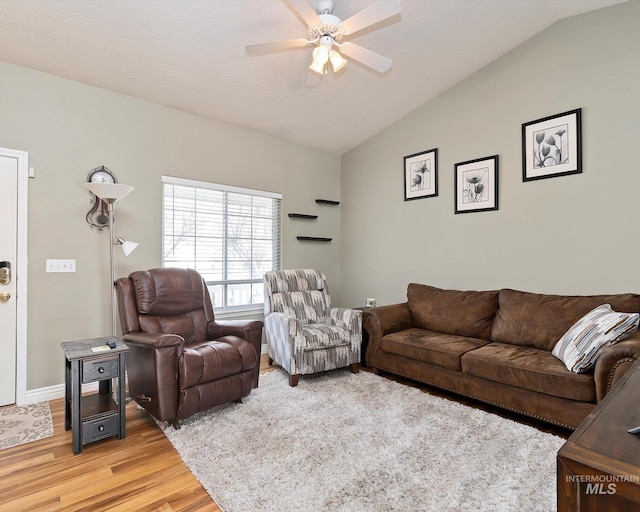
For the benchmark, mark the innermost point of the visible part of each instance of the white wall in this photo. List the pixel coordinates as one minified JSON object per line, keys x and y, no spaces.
{"x":68,"y":129}
{"x":573,"y":234}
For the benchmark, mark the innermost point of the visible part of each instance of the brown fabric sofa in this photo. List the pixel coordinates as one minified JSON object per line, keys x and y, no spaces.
{"x":495,"y":346}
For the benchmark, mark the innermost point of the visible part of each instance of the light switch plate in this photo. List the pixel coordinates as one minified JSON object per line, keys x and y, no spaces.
{"x":61,"y":265}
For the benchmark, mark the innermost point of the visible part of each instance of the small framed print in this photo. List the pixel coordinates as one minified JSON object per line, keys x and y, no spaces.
{"x":476,"y":185}
{"x":552,"y":146}
{"x":421,"y":175}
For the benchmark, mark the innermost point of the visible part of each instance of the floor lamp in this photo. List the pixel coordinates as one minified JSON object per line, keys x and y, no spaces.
{"x":111,"y":193}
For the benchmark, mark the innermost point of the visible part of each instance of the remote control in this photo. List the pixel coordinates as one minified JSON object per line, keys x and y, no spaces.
{"x":635,"y":430}
{"x":111,"y":344}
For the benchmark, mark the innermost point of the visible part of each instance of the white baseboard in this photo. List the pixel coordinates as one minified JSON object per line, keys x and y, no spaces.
{"x":54,"y":392}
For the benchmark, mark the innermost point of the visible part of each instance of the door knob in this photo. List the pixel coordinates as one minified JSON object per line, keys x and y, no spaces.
{"x":4,"y":296}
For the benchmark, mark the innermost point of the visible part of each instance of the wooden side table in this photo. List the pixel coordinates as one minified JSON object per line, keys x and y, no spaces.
{"x":98,"y":415}
{"x":365,"y":339}
{"x":599,"y":465}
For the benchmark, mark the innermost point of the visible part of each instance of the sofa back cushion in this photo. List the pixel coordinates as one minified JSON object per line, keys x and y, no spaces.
{"x":464,"y":313}
{"x":539,"y":321}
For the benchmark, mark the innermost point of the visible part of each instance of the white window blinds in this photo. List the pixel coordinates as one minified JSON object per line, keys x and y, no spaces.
{"x":230,"y":235}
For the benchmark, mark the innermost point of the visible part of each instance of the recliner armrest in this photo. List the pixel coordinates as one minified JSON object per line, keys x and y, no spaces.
{"x":280,"y":322}
{"x":240,"y":328}
{"x":153,"y":339}
{"x":248,"y":330}
{"x":614,"y":362}
{"x":348,"y":318}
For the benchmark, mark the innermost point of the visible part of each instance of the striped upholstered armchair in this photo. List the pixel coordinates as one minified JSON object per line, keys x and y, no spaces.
{"x":304,"y":333}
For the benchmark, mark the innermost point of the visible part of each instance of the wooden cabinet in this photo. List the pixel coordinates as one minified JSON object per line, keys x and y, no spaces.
{"x":599,"y":465}
{"x":94,"y":416}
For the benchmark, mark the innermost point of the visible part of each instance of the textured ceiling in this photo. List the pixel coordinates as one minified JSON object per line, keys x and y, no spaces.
{"x":189,"y":55}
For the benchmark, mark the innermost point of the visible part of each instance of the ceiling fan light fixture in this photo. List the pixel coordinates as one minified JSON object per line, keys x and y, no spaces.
{"x":321,"y":54}
{"x":317,"y":67}
{"x":337,"y":61}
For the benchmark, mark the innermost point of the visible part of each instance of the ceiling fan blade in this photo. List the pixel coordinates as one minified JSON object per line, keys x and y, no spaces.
{"x":373,"y":14}
{"x":313,"y":79}
{"x":275,"y":46}
{"x":306,"y":11}
{"x":367,"y":57}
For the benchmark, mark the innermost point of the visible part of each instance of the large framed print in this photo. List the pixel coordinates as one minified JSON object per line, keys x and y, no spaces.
{"x":476,"y":185}
{"x":421,"y":175}
{"x":552,"y":146}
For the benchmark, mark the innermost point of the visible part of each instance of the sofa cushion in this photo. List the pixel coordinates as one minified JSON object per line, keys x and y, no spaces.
{"x":429,"y":347}
{"x":528,"y":368}
{"x":539,"y":321}
{"x":463,"y":313}
{"x":583,"y":343}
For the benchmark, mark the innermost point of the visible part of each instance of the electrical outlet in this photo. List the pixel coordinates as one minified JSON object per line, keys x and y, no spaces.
{"x":61,"y":266}
{"x":370,"y":303}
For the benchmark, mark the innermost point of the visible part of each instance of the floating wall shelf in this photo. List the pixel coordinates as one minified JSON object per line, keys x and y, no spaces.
{"x":302,"y":216}
{"x":313,"y":239}
{"x":327,"y":201}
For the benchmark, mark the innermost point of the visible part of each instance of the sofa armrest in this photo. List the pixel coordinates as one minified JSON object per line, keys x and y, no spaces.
{"x":387,"y":319}
{"x":614,"y":362}
{"x":383,"y":320}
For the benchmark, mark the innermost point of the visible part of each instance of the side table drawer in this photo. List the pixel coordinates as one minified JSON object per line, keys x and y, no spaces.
{"x":93,"y":430}
{"x":99,"y":370}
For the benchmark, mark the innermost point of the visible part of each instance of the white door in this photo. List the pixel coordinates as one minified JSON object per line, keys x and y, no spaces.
{"x":8,"y":261}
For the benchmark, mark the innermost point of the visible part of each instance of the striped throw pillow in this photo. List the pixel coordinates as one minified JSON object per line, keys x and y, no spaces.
{"x":582,"y":344}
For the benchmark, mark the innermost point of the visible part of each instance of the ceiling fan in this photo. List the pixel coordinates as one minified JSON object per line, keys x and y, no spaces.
{"x":326,"y":33}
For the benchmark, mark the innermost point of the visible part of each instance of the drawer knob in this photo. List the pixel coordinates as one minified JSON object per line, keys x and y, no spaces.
{"x":100,"y":428}
{"x":101,"y":370}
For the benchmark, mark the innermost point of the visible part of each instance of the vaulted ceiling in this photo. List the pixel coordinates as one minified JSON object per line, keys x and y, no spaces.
{"x":190,"y":55}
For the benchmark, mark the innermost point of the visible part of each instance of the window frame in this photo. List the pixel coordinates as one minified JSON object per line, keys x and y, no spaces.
{"x":225,"y":310}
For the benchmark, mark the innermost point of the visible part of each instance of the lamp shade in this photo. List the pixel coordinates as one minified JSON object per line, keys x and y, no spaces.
{"x":110,"y":192}
{"x":127,"y":246}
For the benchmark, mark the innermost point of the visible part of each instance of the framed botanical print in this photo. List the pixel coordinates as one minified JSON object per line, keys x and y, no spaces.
{"x":476,"y":185}
{"x":421,"y":175}
{"x":552,"y":146}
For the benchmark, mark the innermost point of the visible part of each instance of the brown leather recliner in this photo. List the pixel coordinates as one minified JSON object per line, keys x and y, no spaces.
{"x":180,"y":360}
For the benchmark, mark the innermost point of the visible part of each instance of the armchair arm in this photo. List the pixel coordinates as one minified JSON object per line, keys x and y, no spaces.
{"x":249,"y":330}
{"x":614,"y":362}
{"x":384,"y":320}
{"x":152,"y":368}
{"x":153,"y":339}
{"x":289,"y":326}
{"x":350,"y":319}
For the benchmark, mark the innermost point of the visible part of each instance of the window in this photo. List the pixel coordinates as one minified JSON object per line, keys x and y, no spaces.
{"x":230,"y":235}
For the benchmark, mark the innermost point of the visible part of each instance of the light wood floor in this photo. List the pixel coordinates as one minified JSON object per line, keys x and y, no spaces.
{"x":140,"y":473}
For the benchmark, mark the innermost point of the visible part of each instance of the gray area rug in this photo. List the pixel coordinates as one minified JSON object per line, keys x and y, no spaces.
{"x":344,"y":442}
{"x":24,"y":424}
